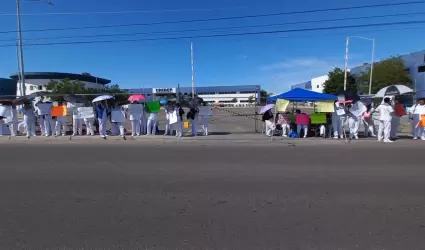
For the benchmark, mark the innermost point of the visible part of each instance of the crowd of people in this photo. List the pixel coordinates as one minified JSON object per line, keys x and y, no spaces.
{"x":143,"y":123}
{"x":355,"y":113}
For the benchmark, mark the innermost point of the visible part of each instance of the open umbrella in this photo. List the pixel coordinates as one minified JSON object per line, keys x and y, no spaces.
{"x":23,"y":99}
{"x":137,"y":98}
{"x":394,"y":90}
{"x":102,"y":98}
{"x":75,"y":98}
{"x":266,"y":108}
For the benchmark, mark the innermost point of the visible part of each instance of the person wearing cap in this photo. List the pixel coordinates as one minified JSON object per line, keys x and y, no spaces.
{"x":385,"y":111}
{"x":415,"y":113}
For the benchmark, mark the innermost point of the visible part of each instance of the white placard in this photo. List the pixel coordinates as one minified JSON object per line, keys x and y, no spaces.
{"x":5,"y":111}
{"x":173,"y":117}
{"x":117,"y":116}
{"x":44,"y":108}
{"x":358,"y":109}
{"x":340,"y":112}
{"x":205,"y":111}
{"x":135,"y":109}
{"x":85,"y":112}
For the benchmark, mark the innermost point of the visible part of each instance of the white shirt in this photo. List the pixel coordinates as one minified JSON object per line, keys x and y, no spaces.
{"x":417,"y":109}
{"x":385,"y":111}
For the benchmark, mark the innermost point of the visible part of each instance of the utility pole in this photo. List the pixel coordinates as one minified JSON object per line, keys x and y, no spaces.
{"x":346,"y":63}
{"x":371,"y":66}
{"x":21,"y":51}
{"x":193,"y":72}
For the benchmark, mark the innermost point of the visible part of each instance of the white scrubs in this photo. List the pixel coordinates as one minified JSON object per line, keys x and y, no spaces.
{"x":385,"y":117}
{"x":13,"y":122}
{"x":60,"y":128}
{"x":338,"y":122}
{"x":354,"y":124}
{"x":151,"y":124}
{"x":89,"y":122}
{"x":102,"y":124}
{"x":29,"y":119}
{"x":168,"y":127}
{"x":205,"y":121}
{"x":179,"y":129}
{"x":77,"y":124}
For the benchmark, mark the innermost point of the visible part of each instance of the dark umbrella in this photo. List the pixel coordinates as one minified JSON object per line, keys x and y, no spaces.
{"x":23,"y":99}
{"x":75,"y":98}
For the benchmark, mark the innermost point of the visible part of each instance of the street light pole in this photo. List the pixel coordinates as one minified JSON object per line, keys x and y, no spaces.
{"x":346,"y":63}
{"x":371,"y":66}
{"x":21,"y":51}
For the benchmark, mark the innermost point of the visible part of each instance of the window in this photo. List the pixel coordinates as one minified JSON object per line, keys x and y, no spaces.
{"x":421,"y":69}
{"x":40,"y":87}
{"x":318,"y":86}
{"x":31,"y":87}
{"x":247,"y":92}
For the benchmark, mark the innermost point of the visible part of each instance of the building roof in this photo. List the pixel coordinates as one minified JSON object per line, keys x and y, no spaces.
{"x":234,"y":88}
{"x":60,"y":76}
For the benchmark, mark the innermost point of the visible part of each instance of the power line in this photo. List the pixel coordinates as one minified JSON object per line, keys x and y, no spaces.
{"x":119,"y":12}
{"x":228,"y":35}
{"x":223,"y":28}
{"x":222,"y":18}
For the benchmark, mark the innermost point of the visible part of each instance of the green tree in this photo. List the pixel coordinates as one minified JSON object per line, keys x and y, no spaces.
{"x":388,"y":72}
{"x":234,"y":100}
{"x":335,"y":82}
{"x":263,"y":96}
{"x":251,"y":99}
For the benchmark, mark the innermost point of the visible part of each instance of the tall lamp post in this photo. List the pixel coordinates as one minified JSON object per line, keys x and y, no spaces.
{"x":371,"y":64}
{"x":21,"y":50}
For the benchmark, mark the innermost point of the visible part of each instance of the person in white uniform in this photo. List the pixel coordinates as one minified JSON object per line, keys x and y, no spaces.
{"x":13,"y":121}
{"x":180,"y":113}
{"x":338,"y":120}
{"x":77,"y":122}
{"x":118,"y":125}
{"x":385,"y":116}
{"x":168,"y":127}
{"x":60,"y":126}
{"x":102,"y":116}
{"x":205,"y":120}
{"x":415,"y":113}
{"x":134,"y":120}
{"x":354,"y":120}
{"x":89,"y":122}
{"x":151,"y":124}
{"x":29,"y":119}
{"x":143,"y":122}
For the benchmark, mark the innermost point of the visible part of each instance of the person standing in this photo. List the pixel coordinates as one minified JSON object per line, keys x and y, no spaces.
{"x":355,"y":119}
{"x":180,"y":113}
{"x":102,"y":117}
{"x":385,"y":116}
{"x":206,"y":119}
{"x":415,"y":113}
{"x":193,"y":116}
{"x":29,"y":119}
{"x":13,"y":121}
{"x":399,"y":111}
{"x":369,"y":126}
{"x":60,"y":126}
{"x":168,"y":127}
{"x":135,"y":119}
{"x":338,"y":120}
{"x":151,"y":124}
{"x":118,"y":125}
{"x":77,"y":122}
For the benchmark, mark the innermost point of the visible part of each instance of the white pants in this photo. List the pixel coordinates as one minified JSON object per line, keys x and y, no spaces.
{"x":269,"y":127}
{"x":299,"y":127}
{"x":41,"y":124}
{"x":47,"y":128}
{"x":60,"y":128}
{"x":418,"y":131}
{"x":286,"y":129}
{"x":168,"y":127}
{"x":30,"y":124}
{"x":369,"y":127}
{"x":135,"y":127}
{"x":77,"y":128}
{"x":384,"y":129}
{"x":195,"y":126}
{"x":353,"y":124}
{"x":89,"y":122}
{"x":13,"y":127}
{"x":205,"y":121}
{"x":395,"y":123}
{"x":118,"y":126}
{"x":338,"y":126}
{"x":179,"y":129}
{"x":102,"y":126}
{"x":22,"y":128}
{"x":151,"y":127}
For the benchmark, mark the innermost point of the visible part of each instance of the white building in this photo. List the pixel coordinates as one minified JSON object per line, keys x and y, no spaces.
{"x":237,"y":96}
{"x":37,"y":81}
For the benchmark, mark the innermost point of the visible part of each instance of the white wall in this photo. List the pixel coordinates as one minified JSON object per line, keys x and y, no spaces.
{"x":36,"y":85}
{"x":317,"y":83}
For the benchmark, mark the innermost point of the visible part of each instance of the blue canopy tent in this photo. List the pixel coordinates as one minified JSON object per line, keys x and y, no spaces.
{"x":300,"y":95}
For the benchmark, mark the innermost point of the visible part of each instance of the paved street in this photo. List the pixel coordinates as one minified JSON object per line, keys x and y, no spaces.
{"x":195,"y":195}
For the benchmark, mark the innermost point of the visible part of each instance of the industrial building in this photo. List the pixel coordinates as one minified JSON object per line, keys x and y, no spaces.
{"x":413,"y":62}
{"x":238,"y":96}
{"x":37,"y":81}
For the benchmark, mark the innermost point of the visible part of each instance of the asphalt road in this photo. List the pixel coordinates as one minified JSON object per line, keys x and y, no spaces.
{"x":152,"y":196}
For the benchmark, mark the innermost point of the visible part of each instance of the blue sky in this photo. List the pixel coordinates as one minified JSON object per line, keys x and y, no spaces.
{"x":274,"y":61}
